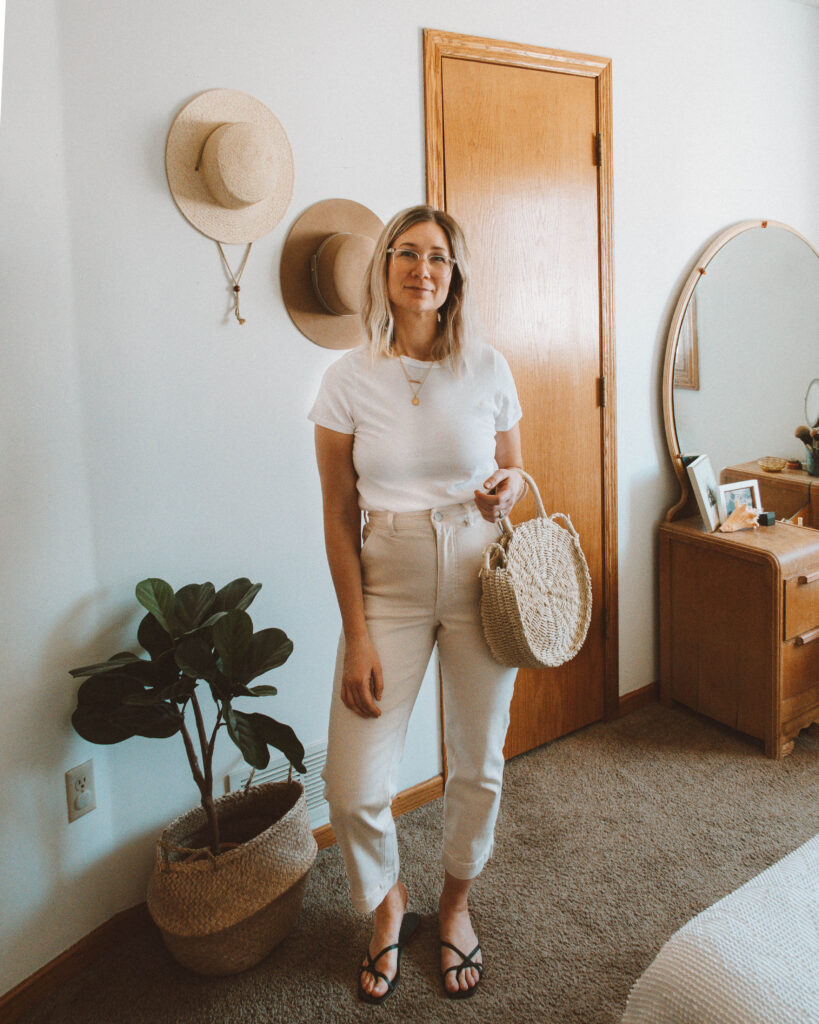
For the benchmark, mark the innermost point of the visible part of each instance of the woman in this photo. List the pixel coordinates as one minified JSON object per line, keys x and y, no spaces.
{"x":419,"y":429}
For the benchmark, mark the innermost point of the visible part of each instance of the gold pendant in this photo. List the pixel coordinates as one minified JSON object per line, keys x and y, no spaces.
{"x":416,"y":400}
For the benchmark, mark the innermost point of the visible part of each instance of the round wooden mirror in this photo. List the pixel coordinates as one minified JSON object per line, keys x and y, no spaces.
{"x":742,"y":348}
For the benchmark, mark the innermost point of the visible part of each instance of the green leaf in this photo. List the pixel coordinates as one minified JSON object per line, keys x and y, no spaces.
{"x":157,"y":722}
{"x":219,"y":688}
{"x":202,"y":627}
{"x":240,"y":690}
{"x":269,"y":648}
{"x":153,"y":638}
{"x":238,"y":594}
{"x":164,"y":670}
{"x":241,"y":730}
{"x":107,"y":692}
{"x":117,"y":661}
{"x":232,"y":635}
{"x":179,"y":690}
{"x":279,"y":736}
{"x":247,"y":600}
{"x":157,"y":597}
{"x":195,"y":657}
{"x":192,"y":605}
{"x":263,"y":691}
{"x":96,"y":725}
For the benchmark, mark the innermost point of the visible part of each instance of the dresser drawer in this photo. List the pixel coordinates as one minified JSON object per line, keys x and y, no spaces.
{"x":800,"y":668}
{"x":801,"y":603}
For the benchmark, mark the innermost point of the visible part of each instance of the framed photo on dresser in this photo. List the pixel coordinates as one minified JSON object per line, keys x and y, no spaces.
{"x":740,"y":492}
{"x":706,"y":491}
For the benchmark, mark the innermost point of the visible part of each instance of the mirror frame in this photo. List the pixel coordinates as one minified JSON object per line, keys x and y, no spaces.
{"x":674,"y":337}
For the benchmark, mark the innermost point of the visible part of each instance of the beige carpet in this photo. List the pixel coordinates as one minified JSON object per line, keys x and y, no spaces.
{"x":608,"y":841}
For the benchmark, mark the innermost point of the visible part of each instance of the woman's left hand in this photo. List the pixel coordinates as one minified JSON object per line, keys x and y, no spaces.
{"x":508,"y":486}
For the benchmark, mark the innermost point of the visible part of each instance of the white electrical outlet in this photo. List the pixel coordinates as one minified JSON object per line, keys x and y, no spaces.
{"x":80,"y":791}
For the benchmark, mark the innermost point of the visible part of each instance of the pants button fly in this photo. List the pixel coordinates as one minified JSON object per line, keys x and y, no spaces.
{"x":437,"y":516}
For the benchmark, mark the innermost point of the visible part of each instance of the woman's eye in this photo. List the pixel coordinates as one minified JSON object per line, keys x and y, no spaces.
{"x":439,"y":261}
{"x":406,"y":256}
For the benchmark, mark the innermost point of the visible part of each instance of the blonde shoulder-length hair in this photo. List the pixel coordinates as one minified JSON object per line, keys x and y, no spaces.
{"x":459,"y":327}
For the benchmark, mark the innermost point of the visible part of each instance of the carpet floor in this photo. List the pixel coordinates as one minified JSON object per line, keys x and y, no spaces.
{"x":608,"y":841}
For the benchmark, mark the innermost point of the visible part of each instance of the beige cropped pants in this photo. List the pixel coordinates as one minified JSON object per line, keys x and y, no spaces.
{"x":421,"y":588}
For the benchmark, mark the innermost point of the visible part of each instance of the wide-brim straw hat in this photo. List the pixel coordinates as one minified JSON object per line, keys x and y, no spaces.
{"x":322,"y":270}
{"x":229,"y":166}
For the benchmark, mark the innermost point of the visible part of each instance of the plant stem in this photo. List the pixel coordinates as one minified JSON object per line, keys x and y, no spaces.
{"x":203,"y":782}
{"x":198,"y":778}
{"x":207,"y":761}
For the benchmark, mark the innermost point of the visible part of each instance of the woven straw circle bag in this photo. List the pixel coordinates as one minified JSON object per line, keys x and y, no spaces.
{"x":536,"y":599}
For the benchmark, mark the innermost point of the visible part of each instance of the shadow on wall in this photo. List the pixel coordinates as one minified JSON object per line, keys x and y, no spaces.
{"x":89,"y":887}
{"x":36,"y":793}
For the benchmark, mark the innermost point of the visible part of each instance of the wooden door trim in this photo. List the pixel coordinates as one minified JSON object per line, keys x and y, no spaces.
{"x":439,"y":44}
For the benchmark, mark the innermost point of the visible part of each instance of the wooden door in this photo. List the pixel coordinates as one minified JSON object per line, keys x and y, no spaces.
{"x":519,"y":167}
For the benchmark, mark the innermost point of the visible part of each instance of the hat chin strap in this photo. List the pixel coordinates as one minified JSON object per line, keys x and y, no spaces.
{"x":236,"y":278}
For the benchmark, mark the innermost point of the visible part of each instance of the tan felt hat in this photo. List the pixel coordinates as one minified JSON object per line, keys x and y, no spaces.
{"x":322,"y":269}
{"x":229,"y":166}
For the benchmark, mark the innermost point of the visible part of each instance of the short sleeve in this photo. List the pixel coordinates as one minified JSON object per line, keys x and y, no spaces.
{"x":332,"y":407}
{"x":507,"y":405}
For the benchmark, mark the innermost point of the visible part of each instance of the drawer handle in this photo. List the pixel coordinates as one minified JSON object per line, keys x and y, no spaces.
{"x":807,"y":638}
{"x":809,"y":578}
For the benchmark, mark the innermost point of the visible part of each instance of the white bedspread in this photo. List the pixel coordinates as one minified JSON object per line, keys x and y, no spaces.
{"x":751,"y":958}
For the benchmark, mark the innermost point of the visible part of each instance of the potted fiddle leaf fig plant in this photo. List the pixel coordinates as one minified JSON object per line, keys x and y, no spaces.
{"x":215,"y":922}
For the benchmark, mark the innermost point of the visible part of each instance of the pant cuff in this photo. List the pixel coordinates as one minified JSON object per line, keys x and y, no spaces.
{"x":367,"y":902}
{"x":465,"y":869}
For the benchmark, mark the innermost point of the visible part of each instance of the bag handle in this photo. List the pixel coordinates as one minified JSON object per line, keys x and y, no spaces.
{"x":568,"y":522}
{"x":541,"y":511}
{"x":492,"y":549}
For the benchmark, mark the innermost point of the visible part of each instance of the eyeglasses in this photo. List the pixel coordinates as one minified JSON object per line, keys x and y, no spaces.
{"x":409,"y":259}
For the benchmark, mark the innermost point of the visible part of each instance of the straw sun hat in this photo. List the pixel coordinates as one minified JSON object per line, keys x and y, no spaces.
{"x":229,"y":166}
{"x":322,"y":269}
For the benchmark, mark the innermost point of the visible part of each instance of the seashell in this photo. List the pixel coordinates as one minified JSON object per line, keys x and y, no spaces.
{"x":742,"y":518}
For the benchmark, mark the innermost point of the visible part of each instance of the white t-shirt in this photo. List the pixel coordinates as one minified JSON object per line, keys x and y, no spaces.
{"x":412,"y":457}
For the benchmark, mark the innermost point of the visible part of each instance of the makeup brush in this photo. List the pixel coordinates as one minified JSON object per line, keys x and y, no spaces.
{"x":804,"y":436}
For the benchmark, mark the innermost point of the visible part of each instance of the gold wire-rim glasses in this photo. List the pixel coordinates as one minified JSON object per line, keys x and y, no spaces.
{"x":436,"y":261}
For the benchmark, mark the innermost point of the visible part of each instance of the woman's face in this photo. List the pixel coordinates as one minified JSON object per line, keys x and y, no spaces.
{"x":419,"y":286}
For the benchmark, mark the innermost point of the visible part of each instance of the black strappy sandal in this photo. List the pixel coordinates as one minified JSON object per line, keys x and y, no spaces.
{"x":408,"y":926}
{"x":466,"y":961}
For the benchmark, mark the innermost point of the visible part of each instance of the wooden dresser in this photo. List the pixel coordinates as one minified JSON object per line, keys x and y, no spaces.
{"x":789,"y":494}
{"x":739,"y":627}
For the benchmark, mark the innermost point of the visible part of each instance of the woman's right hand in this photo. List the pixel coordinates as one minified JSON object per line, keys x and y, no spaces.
{"x":362,"y":683}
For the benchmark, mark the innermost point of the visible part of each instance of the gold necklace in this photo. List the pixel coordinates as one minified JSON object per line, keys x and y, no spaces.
{"x":416,"y":391}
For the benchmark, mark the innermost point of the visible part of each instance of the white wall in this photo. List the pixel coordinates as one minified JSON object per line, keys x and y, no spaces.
{"x":146,"y":433}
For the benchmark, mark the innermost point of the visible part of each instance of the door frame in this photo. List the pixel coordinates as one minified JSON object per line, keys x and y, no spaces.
{"x":439,"y":44}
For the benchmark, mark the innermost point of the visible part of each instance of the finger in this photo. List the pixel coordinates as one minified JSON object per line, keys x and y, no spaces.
{"x":352,"y":700}
{"x":348,"y":700}
{"x":377,"y":682}
{"x":370,"y":708}
{"x":497,"y":478}
{"x":362,"y":702}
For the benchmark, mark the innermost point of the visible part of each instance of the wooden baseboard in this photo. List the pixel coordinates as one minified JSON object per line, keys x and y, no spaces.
{"x":60,"y":970}
{"x":639,"y":698}
{"x":407,"y":800}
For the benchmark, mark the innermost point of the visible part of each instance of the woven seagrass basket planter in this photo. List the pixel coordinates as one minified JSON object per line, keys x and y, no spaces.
{"x":221,"y":915}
